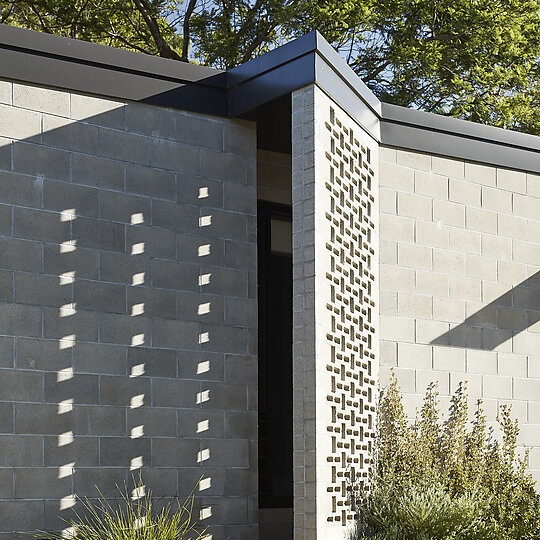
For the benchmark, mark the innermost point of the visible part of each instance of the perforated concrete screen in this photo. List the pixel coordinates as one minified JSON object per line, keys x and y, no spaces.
{"x":335,"y":288}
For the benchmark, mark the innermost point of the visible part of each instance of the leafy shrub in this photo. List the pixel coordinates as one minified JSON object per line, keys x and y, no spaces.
{"x":445,"y":479}
{"x":129,"y":519}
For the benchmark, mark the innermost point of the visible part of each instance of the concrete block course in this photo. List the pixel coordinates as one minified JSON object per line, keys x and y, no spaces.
{"x":105,"y":217}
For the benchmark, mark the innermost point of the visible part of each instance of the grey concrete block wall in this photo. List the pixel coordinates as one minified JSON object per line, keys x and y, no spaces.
{"x":460,"y":287}
{"x":127,"y":252}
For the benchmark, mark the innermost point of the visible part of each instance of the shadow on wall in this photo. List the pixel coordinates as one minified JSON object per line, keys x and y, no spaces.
{"x":501,"y":320}
{"x":118,"y":267}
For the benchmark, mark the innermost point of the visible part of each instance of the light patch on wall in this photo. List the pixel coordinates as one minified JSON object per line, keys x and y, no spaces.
{"x":65,"y":438}
{"x":203,"y":396}
{"x":205,"y":483}
{"x":205,"y":221}
{"x":67,"y":342}
{"x":137,"y":432}
{"x":68,"y":214}
{"x":137,"y":218}
{"x":203,"y":193}
{"x":137,"y":309}
{"x":138,"y":493}
{"x":203,"y":425}
{"x":204,"y":337}
{"x":137,"y":339}
{"x":204,"y":250}
{"x":67,"y":278}
{"x":137,"y":279}
{"x":66,"y":470}
{"x":68,"y":246}
{"x":138,"y":248}
{"x":205,"y":513}
{"x":136,"y":463}
{"x":64,"y":374}
{"x":136,"y":401}
{"x":69,"y":533}
{"x":139,"y":523}
{"x":65,"y":406}
{"x":67,"y":310}
{"x":67,"y":502}
{"x":204,"y":279}
{"x":203,"y":455}
{"x":137,"y":370}
{"x":203,"y":309}
{"x":203,"y":367}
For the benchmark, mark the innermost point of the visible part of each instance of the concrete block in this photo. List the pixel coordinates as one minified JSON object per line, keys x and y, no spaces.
{"x":414,"y":356}
{"x":6,"y":484}
{"x":203,"y":424}
{"x":122,"y":146}
{"x":526,"y":298}
{"x":388,"y":353}
{"x":431,"y":185}
{"x":527,"y":389}
{"x":533,"y":231}
{"x":448,"y":262}
{"x":432,"y":234}
{"x":227,"y":453}
{"x":464,"y":192}
{"x":175,"y":275}
{"x":204,"y":308}
{"x":240,"y":138}
{"x":225,"y":396}
{"x":177,"y":393}
{"x":415,"y":306}
{"x":20,"y":320}
{"x":5,"y":220}
{"x":497,"y":387}
{"x":511,"y":272}
{"x":414,"y":206}
{"x":240,"y":255}
{"x":464,"y":240}
{"x":526,"y":252}
{"x":496,"y":247}
{"x":100,"y":420}
{"x":526,"y":206}
{"x":480,"y":315}
{"x":240,"y":198}
{"x":176,"y":453}
{"x":414,"y":160}
{"x":511,"y":318}
{"x":533,"y":185}
{"x":221,"y":224}
{"x":241,"y":312}
{"x":41,"y":290}
{"x":448,"y":167}
{"x":99,"y":358}
{"x":84,"y":263}
{"x":396,"y":228}
{"x":465,"y":288}
{"x":200,"y":249}
{"x":38,"y":225}
{"x":397,"y":329}
{"x":6,"y":418}
{"x":449,"y":359}
{"x":60,"y":196}
{"x":512,"y":365}
{"x":151,"y":242}
{"x":68,"y":135}
{"x":162,"y":483}
{"x":425,"y":378}
{"x":6,"y":286}
{"x":150,"y":182}
{"x":123,"y":391}
{"x":225,"y":167}
{"x":6,"y":91}
{"x":41,"y":161}
{"x":387,"y":252}
{"x":415,"y":256}
{"x":98,"y":111}
{"x":110,"y":481}
{"x":224,"y":339}
{"x":513,"y":181}
{"x":127,"y":269}
{"x":406,"y":379}
{"x":175,"y":157}
{"x":176,"y":335}
{"x":481,"y":174}
{"x":80,"y":388}
{"x":41,"y":99}
{"x":396,"y":177}
{"x":21,"y":190}
{"x":497,"y":200}
{"x":82,"y":325}
{"x":40,"y":419}
{"x":483,"y":362}
{"x":225,"y":281}
{"x":19,"y":124}
{"x":151,"y":422}
{"x":21,"y":451}
{"x":207,"y":132}
{"x":42,"y":355}
{"x":154,"y":362}
{"x":124,"y":329}
{"x":203,"y":366}
{"x":428,"y":331}
{"x":98,"y":172}
{"x":511,"y":226}
{"x":124,"y":208}
{"x":118,"y":451}
{"x":481,"y":267}
{"x":448,"y":310}
{"x":99,"y":296}
{"x":21,"y":515}
{"x":102,"y":235}
{"x":388,"y":201}
{"x":177,"y":217}
{"x":148,"y":120}
{"x":449,"y":213}
{"x":388,"y":303}
{"x":481,"y":220}
{"x":201,"y":191}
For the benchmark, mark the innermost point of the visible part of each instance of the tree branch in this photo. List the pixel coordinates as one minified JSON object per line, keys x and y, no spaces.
{"x":163,"y":47}
{"x":187,"y":17}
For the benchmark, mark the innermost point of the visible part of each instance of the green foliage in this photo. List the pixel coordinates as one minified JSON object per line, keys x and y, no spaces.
{"x":448,"y":478}
{"x":128,"y":519}
{"x":472,"y":59}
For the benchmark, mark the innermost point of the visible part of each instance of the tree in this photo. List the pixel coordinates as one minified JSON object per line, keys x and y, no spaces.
{"x":473,"y":59}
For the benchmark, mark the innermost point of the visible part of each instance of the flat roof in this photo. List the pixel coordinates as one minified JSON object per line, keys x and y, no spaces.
{"x":44,"y":59}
